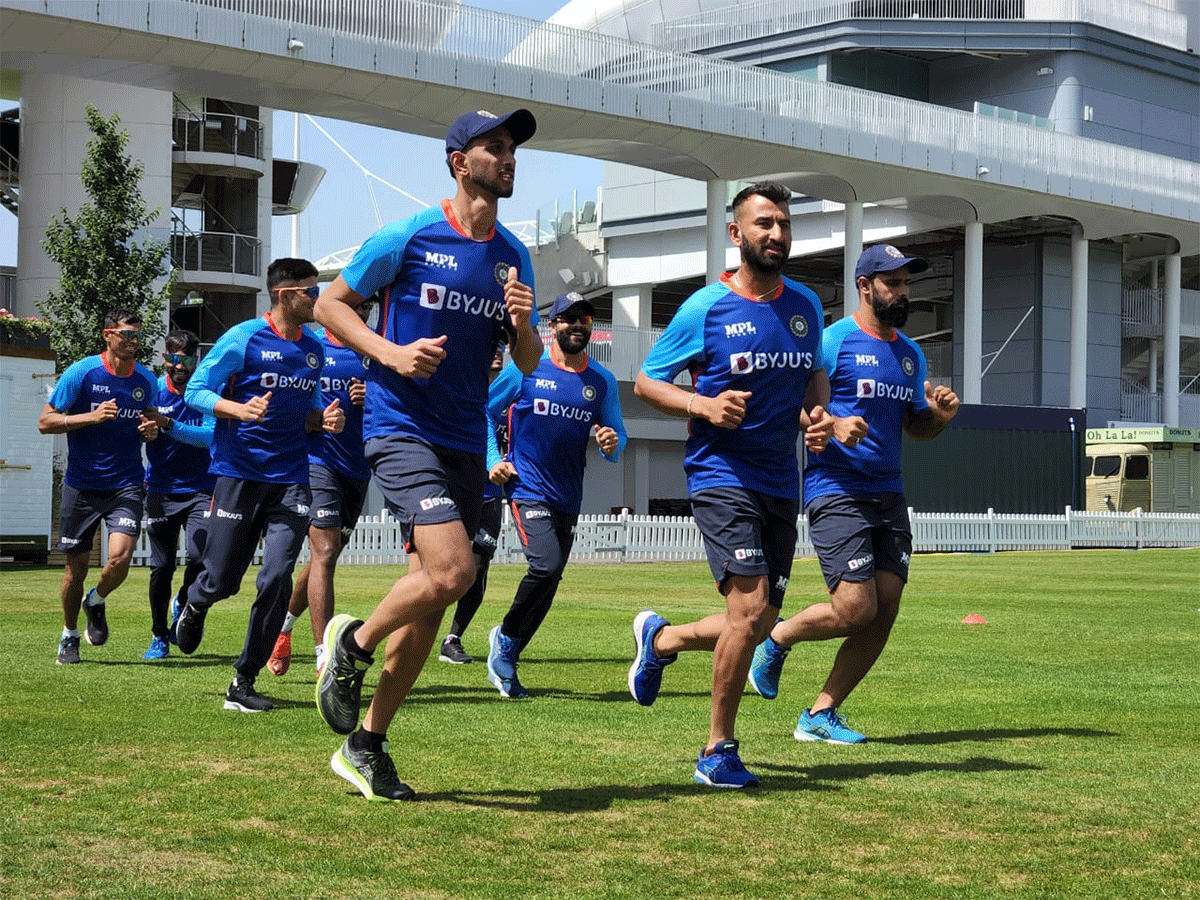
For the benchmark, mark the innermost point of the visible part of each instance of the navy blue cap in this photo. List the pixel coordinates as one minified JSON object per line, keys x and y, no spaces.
{"x":566,"y":301}
{"x":520,"y":124}
{"x":886,"y":258}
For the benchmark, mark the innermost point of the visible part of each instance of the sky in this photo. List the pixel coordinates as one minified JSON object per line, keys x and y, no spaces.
{"x":348,"y":206}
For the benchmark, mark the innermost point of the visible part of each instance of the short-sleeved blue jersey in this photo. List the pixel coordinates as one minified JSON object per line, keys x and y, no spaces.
{"x":730,"y":342}
{"x":880,"y":381}
{"x":437,"y":281}
{"x":107,"y":456}
{"x":551,"y":413}
{"x":247,"y":361}
{"x":177,"y":461}
{"x":342,"y":452}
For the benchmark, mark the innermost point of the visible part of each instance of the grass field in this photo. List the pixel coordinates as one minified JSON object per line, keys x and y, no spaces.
{"x":1050,"y":753}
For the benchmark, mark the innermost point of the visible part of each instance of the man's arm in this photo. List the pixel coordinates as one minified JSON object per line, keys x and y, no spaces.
{"x":926,"y":424}
{"x":55,"y":421}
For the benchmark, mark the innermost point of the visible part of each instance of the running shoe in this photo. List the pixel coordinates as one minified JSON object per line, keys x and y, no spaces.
{"x":68,"y":651}
{"x":96,"y":631}
{"x":281,"y":655}
{"x":723,"y":768}
{"x":826,"y":725}
{"x":502,"y":665}
{"x":645,"y":675}
{"x":766,"y":668}
{"x":372,"y":772}
{"x":339,"y":687}
{"x":158,"y":649}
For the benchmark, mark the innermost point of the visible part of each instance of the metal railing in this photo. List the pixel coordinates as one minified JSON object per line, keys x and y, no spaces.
{"x":218,"y":133}
{"x":748,"y":21}
{"x":216,"y":251}
{"x":667,"y":85}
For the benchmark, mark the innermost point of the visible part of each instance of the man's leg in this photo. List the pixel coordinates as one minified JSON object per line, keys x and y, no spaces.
{"x":324,"y":547}
{"x":162,"y":532}
{"x":747,"y":621}
{"x":74,"y":573}
{"x":564,"y":540}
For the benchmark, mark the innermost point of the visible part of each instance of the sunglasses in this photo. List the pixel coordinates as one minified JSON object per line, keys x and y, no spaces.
{"x":573,"y":319}
{"x":180,"y":359}
{"x":129,"y":334}
{"x":312,"y":291}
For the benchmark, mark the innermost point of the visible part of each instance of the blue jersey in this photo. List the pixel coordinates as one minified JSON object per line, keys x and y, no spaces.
{"x":343,"y":452}
{"x":107,"y":456}
{"x":178,"y":460}
{"x":551,"y":414}
{"x":437,"y":281}
{"x":880,"y":381}
{"x":731,"y":342}
{"x":249,"y":360}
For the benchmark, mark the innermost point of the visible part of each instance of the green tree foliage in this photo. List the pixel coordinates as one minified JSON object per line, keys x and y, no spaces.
{"x":101,"y":268}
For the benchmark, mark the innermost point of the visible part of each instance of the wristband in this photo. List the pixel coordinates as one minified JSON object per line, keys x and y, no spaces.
{"x":691,"y":400}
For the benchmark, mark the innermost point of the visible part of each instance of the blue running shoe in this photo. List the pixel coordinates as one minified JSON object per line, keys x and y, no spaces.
{"x":158,"y":649}
{"x":826,"y":725}
{"x":502,"y":665}
{"x":723,"y":768}
{"x":766,"y":668}
{"x":645,"y":675}
{"x":176,"y":609}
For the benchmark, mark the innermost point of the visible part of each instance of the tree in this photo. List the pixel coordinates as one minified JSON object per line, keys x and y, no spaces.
{"x":101,"y":268}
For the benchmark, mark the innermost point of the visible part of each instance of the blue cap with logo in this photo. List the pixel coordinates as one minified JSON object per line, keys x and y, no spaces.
{"x":520,"y":123}
{"x":886,"y":258}
{"x":569,"y":300}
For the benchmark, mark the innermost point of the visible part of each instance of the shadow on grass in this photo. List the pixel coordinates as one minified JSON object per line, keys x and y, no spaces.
{"x":196,"y":661}
{"x":989,"y":734}
{"x":784,"y":779}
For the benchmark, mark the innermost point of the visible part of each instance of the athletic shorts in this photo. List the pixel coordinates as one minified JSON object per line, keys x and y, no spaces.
{"x":855,"y":535}
{"x":747,"y":533}
{"x":484,"y":545}
{"x":337,"y":501}
{"x":427,"y":485}
{"x":166,"y":515}
{"x":82,"y":512}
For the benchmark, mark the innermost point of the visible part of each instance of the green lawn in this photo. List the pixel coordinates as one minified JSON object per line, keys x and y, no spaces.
{"x":1052,"y":752}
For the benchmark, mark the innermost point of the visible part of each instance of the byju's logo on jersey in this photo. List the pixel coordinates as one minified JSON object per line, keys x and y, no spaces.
{"x":542,"y":407}
{"x":433,"y":296}
{"x":139,"y":394}
{"x":312,"y":360}
{"x":866,"y":387}
{"x":798,"y":325}
{"x":740,"y":329}
{"x":589,"y":393}
{"x":908,"y":366}
{"x":741,"y":363}
{"x":869,"y":388}
{"x":441,"y":260}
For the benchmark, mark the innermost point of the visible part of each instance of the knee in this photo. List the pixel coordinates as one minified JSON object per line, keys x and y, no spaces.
{"x":857,"y":607}
{"x":119,"y":559}
{"x":451,"y":581}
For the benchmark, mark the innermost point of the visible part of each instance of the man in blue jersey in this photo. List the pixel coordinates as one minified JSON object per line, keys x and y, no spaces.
{"x":178,"y":486}
{"x":483,"y":546}
{"x":103,"y":404}
{"x":552,"y":413}
{"x":261,"y":381}
{"x":857,"y":514}
{"x":751,"y":341}
{"x":338,"y":477}
{"x":456,"y":283}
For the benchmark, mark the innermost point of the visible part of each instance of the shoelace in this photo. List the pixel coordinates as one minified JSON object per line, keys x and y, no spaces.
{"x":382,"y":767}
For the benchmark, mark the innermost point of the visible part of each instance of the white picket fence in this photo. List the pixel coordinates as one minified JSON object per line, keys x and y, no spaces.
{"x":629,"y":538}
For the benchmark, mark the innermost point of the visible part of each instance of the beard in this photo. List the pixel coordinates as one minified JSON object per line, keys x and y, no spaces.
{"x":492,"y":185}
{"x":893,"y":314}
{"x":573,"y":340}
{"x":758,"y":261}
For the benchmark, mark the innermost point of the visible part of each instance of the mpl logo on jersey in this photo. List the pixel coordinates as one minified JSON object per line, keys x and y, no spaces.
{"x":272,"y":355}
{"x":740,"y":329}
{"x":869,"y":388}
{"x":545,"y":384}
{"x":866,"y":359}
{"x":441,"y":260}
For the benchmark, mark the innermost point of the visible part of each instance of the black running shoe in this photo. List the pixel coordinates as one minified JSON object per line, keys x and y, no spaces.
{"x":452,"y":652}
{"x":189,"y":630}
{"x":339,"y":687}
{"x":68,"y":651}
{"x":372,"y":772}
{"x":96,"y":631}
{"x":241,"y":696}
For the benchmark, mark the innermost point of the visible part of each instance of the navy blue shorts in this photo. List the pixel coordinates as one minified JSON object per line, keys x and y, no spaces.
{"x":855,"y":535}
{"x":167,"y":515}
{"x":82,"y":512}
{"x":337,"y":501}
{"x":427,"y":485}
{"x":748,"y":533}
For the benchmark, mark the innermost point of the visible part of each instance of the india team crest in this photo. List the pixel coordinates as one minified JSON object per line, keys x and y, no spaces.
{"x":501,"y":272}
{"x":799,"y":326}
{"x":908,"y":366}
{"x":312,"y":360}
{"x":589,"y":392}
{"x":893,"y":252}
{"x":139,"y":394}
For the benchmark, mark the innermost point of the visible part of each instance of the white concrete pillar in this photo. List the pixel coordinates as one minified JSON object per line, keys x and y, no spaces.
{"x":631,"y":316}
{"x":851,"y":253}
{"x":1172,"y":278}
{"x":1152,"y":367}
{"x":973,"y":313}
{"x":54,"y":137}
{"x":265,"y":187}
{"x":1079,"y":318}
{"x":641,"y":477}
{"x":716,"y":229}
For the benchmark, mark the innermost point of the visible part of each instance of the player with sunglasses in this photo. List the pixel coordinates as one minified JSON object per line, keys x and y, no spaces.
{"x":103,"y":404}
{"x":178,"y":487}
